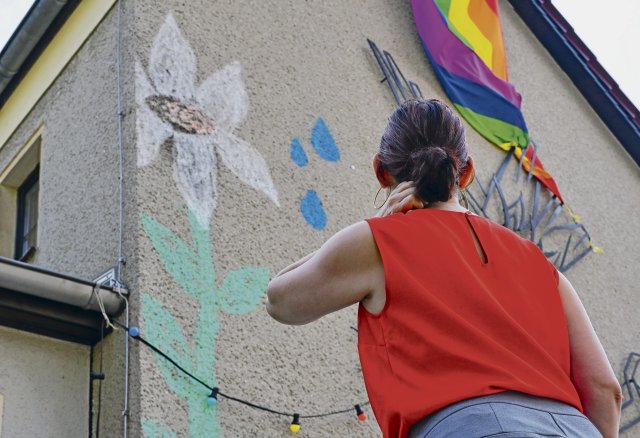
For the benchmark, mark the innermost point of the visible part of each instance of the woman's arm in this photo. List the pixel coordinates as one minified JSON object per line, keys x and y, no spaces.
{"x":340,"y":273}
{"x":591,"y":373}
{"x":296,"y":264}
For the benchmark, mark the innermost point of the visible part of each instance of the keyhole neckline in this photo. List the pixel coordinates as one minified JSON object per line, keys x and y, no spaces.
{"x":478,"y":246}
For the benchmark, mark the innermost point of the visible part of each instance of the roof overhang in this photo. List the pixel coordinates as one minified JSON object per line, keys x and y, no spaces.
{"x":574,"y":57}
{"x":30,"y":78}
{"x":49,"y":303}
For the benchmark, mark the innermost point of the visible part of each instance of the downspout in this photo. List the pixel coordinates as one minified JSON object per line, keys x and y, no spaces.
{"x":26,"y":36}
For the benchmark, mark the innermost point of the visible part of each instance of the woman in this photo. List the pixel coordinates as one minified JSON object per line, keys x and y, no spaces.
{"x":464,"y":328}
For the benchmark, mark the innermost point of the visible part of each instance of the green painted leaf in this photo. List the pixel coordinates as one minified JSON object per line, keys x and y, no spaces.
{"x":162,"y":330}
{"x":176,"y":256}
{"x":242,"y":289}
{"x":151,"y":429}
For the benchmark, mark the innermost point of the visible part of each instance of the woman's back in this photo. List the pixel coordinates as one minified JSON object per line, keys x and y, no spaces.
{"x":459,"y":322}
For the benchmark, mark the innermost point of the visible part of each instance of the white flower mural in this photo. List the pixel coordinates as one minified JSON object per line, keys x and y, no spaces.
{"x":200,"y":120}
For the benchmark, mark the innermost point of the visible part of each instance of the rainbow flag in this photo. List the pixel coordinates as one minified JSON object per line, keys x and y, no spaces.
{"x":463,"y":41}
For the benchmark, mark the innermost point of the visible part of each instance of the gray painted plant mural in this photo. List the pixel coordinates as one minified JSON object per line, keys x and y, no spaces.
{"x":199,"y":119}
{"x":199,"y":122}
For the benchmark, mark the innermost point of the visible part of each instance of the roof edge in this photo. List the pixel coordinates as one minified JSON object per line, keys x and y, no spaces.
{"x":49,"y":303}
{"x":574,"y":57}
{"x":26,"y":36}
{"x":31,"y":280}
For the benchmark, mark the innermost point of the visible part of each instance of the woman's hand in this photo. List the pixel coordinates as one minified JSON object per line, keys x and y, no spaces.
{"x":401,"y":199}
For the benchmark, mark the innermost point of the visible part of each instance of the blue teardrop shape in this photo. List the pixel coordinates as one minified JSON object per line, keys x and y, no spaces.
{"x":298,"y":155}
{"x":323,"y":142}
{"x":312,"y":210}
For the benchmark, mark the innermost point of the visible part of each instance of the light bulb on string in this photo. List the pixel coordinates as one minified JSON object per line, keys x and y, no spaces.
{"x":295,"y":424}
{"x":212,"y":400}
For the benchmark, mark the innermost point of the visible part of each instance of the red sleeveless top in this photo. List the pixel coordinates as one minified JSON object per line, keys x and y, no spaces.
{"x":454,"y":327}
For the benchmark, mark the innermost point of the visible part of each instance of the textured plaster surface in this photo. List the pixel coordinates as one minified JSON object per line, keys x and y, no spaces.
{"x":78,"y":170}
{"x":78,"y":222}
{"x":597,"y":178}
{"x":45,"y":386}
{"x":302,"y":61}
{"x":8,"y":198}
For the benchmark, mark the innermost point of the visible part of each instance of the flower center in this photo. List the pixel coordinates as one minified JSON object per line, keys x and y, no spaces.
{"x":181,"y":116}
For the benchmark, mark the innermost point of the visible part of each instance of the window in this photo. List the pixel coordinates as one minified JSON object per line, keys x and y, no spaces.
{"x":27,"y":221}
{"x":19,"y":196}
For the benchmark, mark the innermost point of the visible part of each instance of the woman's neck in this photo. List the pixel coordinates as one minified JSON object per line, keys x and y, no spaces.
{"x":451,"y":205}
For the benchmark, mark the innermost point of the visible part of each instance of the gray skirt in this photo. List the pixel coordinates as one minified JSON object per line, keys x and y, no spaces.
{"x":507,"y":414}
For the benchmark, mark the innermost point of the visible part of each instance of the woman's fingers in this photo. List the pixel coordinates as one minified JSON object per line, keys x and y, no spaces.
{"x":401,"y":191}
{"x":403,"y":187}
{"x":403,"y":198}
{"x":410,"y":202}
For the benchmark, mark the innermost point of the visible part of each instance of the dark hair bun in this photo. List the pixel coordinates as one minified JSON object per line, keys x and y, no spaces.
{"x":434,"y":173}
{"x":424,"y":143}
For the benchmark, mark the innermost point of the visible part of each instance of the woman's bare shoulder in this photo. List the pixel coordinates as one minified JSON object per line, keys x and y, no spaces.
{"x":341,"y":273}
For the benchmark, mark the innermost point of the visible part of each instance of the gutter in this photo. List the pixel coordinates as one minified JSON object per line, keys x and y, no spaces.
{"x":30,"y":31}
{"x":60,"y":288}
{"x":616,"y":111}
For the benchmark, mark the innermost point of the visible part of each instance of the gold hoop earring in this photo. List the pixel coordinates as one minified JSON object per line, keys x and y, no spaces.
{"x":376,"y":198}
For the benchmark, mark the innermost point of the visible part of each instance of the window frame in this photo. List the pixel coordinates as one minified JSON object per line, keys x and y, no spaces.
{"x":32,"y":180}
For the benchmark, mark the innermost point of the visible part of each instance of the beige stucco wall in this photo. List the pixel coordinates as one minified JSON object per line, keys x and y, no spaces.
{"x":79,"y":202}
{"x":301,"y":61}
{"x":45,"y":384}
{"x":598,"y":179}
{"x":297,"y":62}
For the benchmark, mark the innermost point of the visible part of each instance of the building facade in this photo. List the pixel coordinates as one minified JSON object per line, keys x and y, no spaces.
{"x":196,"y":149}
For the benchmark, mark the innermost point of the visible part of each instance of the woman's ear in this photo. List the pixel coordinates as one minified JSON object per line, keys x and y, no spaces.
{"x":381,"y":173}
{"x":469,"y":174}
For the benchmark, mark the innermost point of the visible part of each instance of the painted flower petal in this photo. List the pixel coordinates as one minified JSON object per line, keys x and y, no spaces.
{"x":223,"y":96}
{"x":194,"y":167}
{"x":172,"y":63}
{"x":144,"y":88}
{"x":246,"y":163}
{"x":151,"y":132}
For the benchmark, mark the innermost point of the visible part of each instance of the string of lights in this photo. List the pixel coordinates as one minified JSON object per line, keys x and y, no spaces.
{"x":212,"y":399}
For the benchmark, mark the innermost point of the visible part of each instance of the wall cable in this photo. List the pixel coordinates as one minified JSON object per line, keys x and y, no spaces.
{"x":96,"y":294}
{"x":215,"y":391}
{"x":100,"y":382}
{"x":120,"y":261}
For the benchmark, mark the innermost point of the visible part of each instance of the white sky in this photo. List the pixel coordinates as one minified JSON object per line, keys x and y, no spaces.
{"x":11,"y":14}
{"x":609,"y":28}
